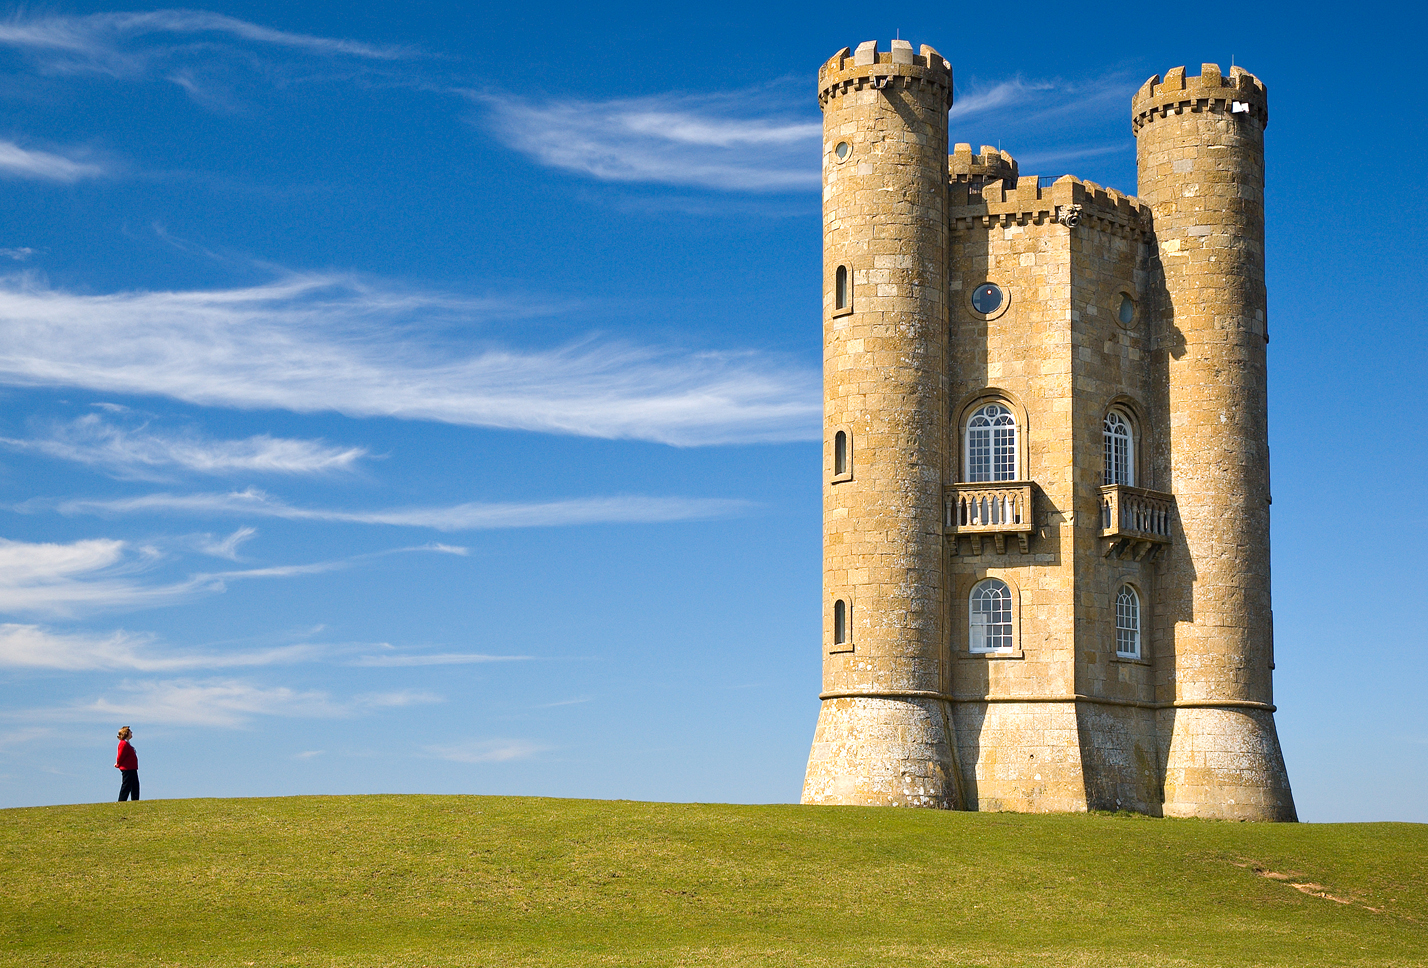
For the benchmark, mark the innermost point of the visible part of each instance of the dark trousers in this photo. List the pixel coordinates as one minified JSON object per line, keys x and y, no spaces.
{"x":129,"y":785}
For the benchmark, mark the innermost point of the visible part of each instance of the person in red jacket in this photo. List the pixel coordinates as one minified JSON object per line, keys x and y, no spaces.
{"x":126,"y":761}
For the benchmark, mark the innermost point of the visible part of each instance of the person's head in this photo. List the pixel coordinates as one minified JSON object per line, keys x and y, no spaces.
{"x":125,"y":732}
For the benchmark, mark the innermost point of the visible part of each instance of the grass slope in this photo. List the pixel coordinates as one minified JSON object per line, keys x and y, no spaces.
{"x":411,"y":880}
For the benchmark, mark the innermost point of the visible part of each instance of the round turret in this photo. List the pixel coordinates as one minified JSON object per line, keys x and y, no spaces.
{"x":884,"y":733}
{"x":1200,"y":154}
{"x":975,"y":170}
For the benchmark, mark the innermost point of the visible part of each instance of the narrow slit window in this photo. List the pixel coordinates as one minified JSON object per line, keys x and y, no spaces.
{"x":991,"y":617}
{"x":1128,"y":623}
{"x":991,"y":453}
{"x":840,"y":622}
{"x":842,"y":296}
{"x":840,"y":453}
{"x":1120,"y":450}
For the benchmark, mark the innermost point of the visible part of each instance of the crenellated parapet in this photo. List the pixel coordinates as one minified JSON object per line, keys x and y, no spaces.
{"x":990,"y":164}
{"x":1241,"y":93}
{"x":1067,"y":200}
{"x":868,"y":67}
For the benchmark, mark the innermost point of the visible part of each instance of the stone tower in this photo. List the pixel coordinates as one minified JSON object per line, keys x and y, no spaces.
{"x":884,"y":730}
{"x":1200,"y":162}
{"x":1046,"y":579}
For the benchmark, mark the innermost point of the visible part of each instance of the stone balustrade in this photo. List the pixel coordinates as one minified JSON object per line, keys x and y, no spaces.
{"x":1135,"y":520}
{"x":988,"y":510}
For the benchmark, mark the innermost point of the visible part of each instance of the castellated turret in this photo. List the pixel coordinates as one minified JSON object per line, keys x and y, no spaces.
{"x":1200,"y":160}
{"x":884,"y":730}
{"x":1046,"y":532}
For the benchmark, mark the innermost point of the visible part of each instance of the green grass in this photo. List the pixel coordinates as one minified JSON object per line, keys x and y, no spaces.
{"x":347,"y":881}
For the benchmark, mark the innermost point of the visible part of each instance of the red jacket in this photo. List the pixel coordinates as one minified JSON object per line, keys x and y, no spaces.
{"x":126,"y":758}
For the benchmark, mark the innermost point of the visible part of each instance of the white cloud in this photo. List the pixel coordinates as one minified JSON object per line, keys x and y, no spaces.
{"x":1003,"y":94}
{"x":62,"y":579}
{"x":435,"y":658}
{"x":137,"y":452}
{"x":487,"y":751}
{"x":396,"y":700}
{"x":206,"y":702}
{"x":109,"y":42}
{"x":103,"y":574}
{"x":225,"y":548}
{"x":334,"y":343}
{"x":34,"y":647}
{"x":17,"y":162}
{"x":756,"y":140}
{"x":459,"y":517}
{"x":220,"y":702}
{"x":19,"y":255}
{"x":308,"y":754}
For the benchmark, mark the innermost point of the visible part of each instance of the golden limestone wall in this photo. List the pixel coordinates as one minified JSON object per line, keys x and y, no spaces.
{"x":1061,"y":722}
{"x":1200,"y":154}
{"x":884,"y":732}
{"x":1062,"y":254}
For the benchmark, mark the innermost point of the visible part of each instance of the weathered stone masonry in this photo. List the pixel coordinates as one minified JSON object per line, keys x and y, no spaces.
{"x":1151,"y":306}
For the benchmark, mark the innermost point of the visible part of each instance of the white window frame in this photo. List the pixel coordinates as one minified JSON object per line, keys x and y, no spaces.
{"x":1117,"y":418}
{"x":1124,"y":617}
{"x":967,"y":430}
{"x":977,"y":629}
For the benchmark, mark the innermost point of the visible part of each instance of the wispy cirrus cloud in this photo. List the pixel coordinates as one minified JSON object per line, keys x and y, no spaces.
{"x":36,"y":647}
{"x":142,"y":452}
{"x":220,"y":702}
{"x":105,"y":575}
{"x":764,"y":140}
{"x":473,"y":516}
{"x":125,"y":43}
{"x":18,"y":162}
{"x":202,"y":702}
{"x":309,"y":343}
{"x":1046,"y":121}
{"x":486,"y":751}
{"x":393,"y":660}
{"x":62,"y":579}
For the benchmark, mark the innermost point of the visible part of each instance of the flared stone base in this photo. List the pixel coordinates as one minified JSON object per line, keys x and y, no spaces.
{"x":1224,"y":764}
{"x":883,"y":752}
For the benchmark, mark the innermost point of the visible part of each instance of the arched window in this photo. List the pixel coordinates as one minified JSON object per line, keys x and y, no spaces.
{"x":991,"y":448}
{"x":840,"y":453}
{"x":1128,"y":623}
{"x":1120,"y":449}
{"x":842,"y":291}
{"x":990,"y":617}
{"x":840,"y":622}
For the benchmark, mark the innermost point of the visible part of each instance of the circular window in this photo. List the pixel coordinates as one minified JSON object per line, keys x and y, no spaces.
{"x":842,"y":150}
{"x":1126,"y":314}
{"x":987,"y":298}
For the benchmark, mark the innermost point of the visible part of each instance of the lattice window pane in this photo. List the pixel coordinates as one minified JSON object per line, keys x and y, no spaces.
{"x":1120,"y":450}
{"x":1128,"y":622}
{"x":991,"y":617}
{"x":991,"y":445}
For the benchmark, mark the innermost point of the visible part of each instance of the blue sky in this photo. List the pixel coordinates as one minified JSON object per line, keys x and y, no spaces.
{"x":424,"y":398}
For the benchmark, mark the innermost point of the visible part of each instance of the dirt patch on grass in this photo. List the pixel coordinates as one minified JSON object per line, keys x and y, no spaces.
{"x":1305,"y":887}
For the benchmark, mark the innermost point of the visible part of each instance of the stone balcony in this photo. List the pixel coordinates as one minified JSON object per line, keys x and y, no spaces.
{"x":1135,"y":521}
{"x":988,"y":510}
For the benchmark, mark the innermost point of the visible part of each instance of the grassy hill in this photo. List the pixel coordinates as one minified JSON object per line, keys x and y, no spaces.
{"x":407,"y":880}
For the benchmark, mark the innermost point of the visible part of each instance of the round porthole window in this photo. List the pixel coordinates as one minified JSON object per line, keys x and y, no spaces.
{"x":1126,"y":314}
{"x":842,"y":150}
{"x":987,"y":298}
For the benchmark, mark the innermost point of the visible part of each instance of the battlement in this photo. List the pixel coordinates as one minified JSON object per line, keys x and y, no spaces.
{"x":868,"y":67}
{"x":1068,"y":200}
{"x":1239,"y":93}
{"x":990,"y":165}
